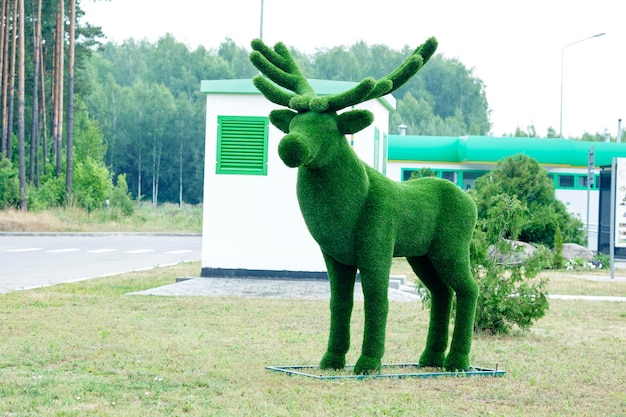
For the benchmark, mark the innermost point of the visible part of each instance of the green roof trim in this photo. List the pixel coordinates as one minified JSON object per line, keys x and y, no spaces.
{"x":321,"y":87}
{"x":489,"y":150}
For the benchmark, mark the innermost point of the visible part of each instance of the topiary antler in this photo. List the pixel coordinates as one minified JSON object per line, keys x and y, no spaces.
{"x":279,"y":66}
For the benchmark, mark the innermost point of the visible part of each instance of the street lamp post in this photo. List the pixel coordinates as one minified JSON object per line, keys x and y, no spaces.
{"x":261,"y":28}
{"x":562,"y":54}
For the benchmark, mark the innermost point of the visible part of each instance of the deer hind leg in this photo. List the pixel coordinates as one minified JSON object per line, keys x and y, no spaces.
{"x":441,"y":303}
{"x":457,"y":274}
{"x":341,"y":279}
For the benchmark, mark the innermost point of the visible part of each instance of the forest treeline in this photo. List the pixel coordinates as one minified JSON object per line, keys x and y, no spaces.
{"x":85,"y":121}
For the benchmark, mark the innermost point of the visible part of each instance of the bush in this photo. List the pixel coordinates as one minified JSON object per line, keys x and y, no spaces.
{"x":508,"y":294}
{"x":601,"y":261}
{"x":424,"y":172}
{"x":121,"y":198}
{"x":9,"y":185}
{"x":91,"y":184}
{"x":51,"y":193}
{"x":558,"y":261}
{"x":520,"y":176}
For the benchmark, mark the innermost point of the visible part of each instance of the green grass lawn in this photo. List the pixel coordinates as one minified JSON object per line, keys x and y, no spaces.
{"x":89,"y":349}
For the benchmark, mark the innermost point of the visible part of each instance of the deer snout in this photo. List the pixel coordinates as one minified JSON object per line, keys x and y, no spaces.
{"x":295,"y":150}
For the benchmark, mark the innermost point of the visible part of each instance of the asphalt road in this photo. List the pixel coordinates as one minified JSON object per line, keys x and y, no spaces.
{"x":36,"y":260}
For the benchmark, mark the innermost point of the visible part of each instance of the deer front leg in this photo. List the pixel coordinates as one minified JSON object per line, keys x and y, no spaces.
{"x":375,"y":283}
{"x":341,"y":279}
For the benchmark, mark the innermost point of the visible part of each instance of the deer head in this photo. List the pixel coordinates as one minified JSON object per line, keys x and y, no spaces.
{"x":313,"y":126}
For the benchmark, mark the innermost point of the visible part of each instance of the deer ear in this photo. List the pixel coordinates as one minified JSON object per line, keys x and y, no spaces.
{"x":354,"y":120}
{"x":282,"y":118}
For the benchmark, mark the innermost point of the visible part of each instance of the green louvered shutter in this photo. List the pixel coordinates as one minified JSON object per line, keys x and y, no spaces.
{"x":385,"y":152}
{"x":376,"y":148}
{"x":242,"y":145}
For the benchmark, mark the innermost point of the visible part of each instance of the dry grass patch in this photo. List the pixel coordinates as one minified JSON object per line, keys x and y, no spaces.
{"x":88,"y":349}
{"x":164,"y":218}
{"x":12,"y":220}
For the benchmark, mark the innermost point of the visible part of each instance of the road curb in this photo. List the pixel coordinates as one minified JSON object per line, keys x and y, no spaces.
{"x":100,"y":234}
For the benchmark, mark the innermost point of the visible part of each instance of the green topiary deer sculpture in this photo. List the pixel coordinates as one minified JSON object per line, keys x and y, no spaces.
{"x":361,"y":219}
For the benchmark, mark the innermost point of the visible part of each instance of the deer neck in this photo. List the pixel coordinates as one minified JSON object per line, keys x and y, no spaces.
{"x":340,"y":185}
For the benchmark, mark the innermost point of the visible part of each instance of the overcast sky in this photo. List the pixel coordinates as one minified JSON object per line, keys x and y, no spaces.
{"x":514,"y":46}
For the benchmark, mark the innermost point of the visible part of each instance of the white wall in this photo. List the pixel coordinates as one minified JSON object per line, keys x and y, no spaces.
{"x":254,"y":222}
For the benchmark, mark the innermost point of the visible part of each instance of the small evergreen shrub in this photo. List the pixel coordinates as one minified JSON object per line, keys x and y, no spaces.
{"x":120,"y":197}
{"x":558,"y":261}
{"x":509,"y":294}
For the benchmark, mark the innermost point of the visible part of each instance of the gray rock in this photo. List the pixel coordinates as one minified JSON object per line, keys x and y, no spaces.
{"x":519,"y":252}
{"x":574,"y":251}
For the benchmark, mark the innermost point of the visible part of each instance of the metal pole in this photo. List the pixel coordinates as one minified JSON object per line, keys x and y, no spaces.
{"x":261,"y":29}
{"x":590,"y":166}
{"x":618,"y":138}
{"x":562,"y":54}
{"x":612,"y":216}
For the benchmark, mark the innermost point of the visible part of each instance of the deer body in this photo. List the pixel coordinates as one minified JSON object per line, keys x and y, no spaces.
{"x":361,"y":219}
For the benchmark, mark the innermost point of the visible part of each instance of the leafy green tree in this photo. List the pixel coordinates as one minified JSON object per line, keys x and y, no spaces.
{"x":92,"y":183}
{"x":89,"y":142}
{"x":424,"y":172}
{"x":445,"y":99}
{"x":454,"y":94}
{"x":522,"y":177}
{"x":51,"y":192}
{"x":120,"y":198}
{"x":236,"y":59}
{"x":126,"y":86}
{"x":504,"y":218}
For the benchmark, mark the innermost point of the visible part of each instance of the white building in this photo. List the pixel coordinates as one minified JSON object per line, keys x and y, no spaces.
{"x":463,"y":159}
{"x":252,"y":225}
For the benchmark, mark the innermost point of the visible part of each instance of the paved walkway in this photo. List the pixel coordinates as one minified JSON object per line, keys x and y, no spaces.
{"x":269,"y":288}
{"x":399,"y":289}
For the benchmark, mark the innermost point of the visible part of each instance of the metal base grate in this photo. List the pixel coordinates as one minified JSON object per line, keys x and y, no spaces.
{"x":403,"y":370}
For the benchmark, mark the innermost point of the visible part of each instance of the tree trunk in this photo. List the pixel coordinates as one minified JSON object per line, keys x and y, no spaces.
{"x":4,"y":20}
{"x":44,"y":124}
{"x":158,"y":170}
{"x":59,"y":53}
{"x":6,"y":12}
{"x":139,"y":177}
{"x":154,"y":171}
{"x":20,"y":109}
{"x":34,"y":132}
{"x":70,"y":102}
{"x":180,"y":172}
{"x":11,"y":82}
{"x":53,"y":94}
